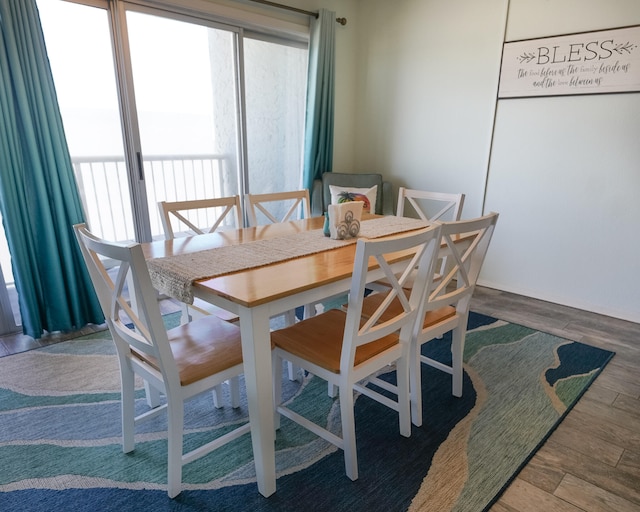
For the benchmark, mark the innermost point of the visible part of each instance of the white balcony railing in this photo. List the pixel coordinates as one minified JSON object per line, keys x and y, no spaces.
{"x":104,"y":188}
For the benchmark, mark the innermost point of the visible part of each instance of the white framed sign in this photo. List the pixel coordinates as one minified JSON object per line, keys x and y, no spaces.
{"x":606,"y":61}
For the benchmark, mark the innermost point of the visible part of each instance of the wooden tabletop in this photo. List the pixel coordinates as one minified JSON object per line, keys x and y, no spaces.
{"x":257,"y":286}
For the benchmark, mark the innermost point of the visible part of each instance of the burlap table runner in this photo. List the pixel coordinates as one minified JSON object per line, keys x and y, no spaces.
{"x":174,"y":275}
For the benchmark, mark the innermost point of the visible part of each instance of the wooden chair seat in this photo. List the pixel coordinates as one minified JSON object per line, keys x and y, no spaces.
{"x":201,"y":348}
{"x":323,"y":341}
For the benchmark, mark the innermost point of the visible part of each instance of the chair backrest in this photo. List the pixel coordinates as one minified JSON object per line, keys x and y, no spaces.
{"x":277,"y":207}
{"x":200,"y":216}
{"x":386,"y":320}
{"x":467,"y":242}
{"x":343,"y":179}
{"x":147,"y":337}
{"x":431,"y":206}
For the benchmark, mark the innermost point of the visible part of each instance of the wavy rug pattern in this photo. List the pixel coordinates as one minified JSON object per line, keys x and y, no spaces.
{"x":60,"y":434}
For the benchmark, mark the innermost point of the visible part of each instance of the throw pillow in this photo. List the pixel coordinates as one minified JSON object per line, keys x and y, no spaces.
{"x":347,"y":194}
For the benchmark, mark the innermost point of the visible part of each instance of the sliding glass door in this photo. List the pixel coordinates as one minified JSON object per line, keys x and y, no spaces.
{"x":187,"y":101}
{"x":156,"y":106}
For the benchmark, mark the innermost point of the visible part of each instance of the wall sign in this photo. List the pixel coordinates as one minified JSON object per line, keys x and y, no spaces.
{"x":587,"y":63}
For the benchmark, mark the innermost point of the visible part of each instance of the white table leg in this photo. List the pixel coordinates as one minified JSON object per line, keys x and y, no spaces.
{"x":256,"y":352}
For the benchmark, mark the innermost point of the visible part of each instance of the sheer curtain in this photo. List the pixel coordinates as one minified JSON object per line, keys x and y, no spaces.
{"x":318,"y":142}
{"x":38,"y":196}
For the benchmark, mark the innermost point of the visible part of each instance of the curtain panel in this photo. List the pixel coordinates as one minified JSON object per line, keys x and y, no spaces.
{"x":318,"y":142}
{"x":39,"y":199}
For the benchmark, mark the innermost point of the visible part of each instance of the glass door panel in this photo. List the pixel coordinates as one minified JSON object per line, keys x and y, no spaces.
{"x":275,"y":89}
{"x":81,"y":58}
{"x":187,"y":105}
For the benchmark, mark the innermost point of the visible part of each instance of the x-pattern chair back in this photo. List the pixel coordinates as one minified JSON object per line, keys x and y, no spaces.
{"x":397,"y":293}
{"x":466,"y":246}
{"x":200,"y":215}
{"x":115,"y":303}
{"x":272,"y":205}
{"x":387,"y":317}
{"x":432,"y":207}
{"x":450,"y":205}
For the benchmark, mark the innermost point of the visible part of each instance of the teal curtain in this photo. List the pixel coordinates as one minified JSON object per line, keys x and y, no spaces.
{"x":318,"y":140}
{"x":39,"y":199}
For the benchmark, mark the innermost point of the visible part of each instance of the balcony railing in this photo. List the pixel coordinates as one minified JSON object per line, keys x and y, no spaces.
{"x":103,"y":185}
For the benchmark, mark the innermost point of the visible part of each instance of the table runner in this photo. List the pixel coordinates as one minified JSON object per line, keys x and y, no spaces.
{"x":174,"y":275}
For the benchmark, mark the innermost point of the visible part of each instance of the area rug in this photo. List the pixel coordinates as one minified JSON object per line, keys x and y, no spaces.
{"x":60,"y":434}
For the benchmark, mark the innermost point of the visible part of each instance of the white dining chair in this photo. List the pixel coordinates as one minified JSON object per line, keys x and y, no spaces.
{"x":345,"y":351}
{"x":197,"y":217}
{"x":447,"y":305}
{"x":180,"y":363}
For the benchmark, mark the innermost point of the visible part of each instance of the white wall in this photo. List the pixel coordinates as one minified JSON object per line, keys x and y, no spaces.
{"x":565,"y":177}
{"x":566,"y":184}
{"x":427,"y":85}
{"x":416,"y":100}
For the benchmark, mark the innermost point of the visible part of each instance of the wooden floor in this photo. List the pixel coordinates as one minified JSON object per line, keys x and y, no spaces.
{"x":592,"y":461}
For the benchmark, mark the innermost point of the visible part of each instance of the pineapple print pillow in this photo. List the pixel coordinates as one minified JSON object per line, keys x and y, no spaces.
{"x":346,"y":194}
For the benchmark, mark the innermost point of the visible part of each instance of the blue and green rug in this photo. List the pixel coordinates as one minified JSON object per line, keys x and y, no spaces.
{"x":60,"y":434}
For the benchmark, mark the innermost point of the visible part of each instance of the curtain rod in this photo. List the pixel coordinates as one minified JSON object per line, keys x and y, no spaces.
{"x":342,"y":21}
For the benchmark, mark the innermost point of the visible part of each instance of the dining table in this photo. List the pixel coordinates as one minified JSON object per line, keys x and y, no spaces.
{"x":258,"y":273}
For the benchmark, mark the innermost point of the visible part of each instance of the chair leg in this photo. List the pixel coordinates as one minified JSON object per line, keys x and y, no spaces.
{"x":185,"y":317}
{"x":404,"y":412}
{"x":457,"y":349}
{"x":290,"y":319}
{"x":293,"y":371}
{"x":234,"y":394}
{"x":415,"y":385}
{"x":309,"y":311}
{"x":277,"y":388}
{"x":217,"y":396}
{"x":127,"y":382}
{"x":234,"y":391}
{"x":152,"y":394}
{"x":174,"y":461}
{"x":348,"y":432}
